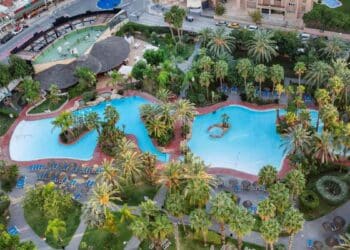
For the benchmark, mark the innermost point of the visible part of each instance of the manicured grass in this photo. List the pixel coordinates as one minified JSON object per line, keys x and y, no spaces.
{"x":46,"y":105}
{"x":134,"y":195}
{"x":345,"y":7}
{"x":5,"y":123}
{"x":324,"y":207}
{"x":188,"y":241}
{"x":37,"y":221}
{"x":101,"y":239}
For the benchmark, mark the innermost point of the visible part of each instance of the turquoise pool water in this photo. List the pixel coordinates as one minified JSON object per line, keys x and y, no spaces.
{"x":73,"y":44}
{"x":250,"y":143}
{"x":33,"y":140}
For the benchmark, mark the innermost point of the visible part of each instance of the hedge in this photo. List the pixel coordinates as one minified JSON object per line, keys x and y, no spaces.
{"x":328,"y":184}
{"x":309,"y":200}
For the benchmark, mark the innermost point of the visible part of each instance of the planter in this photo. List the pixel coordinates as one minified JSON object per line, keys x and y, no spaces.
{"x":217,"y":130}
{"x":69,"y":139}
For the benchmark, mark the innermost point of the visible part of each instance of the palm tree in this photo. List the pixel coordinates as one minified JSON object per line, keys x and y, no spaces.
{"x":172,"y":176}
{"x":322,"y":98}
{"x":220,"y":42}
{"x":279,"y":196}
{"x":293,"y":222}
{"x":241,"y":223}
{"x":318,"y":74}
{"x":184,"y":111}
{"x":86,"y":77}
{"x":244,"y":68}
{"x":221,"y":71}
{"x":197,"y":192}
{"x":260,"y":74}
{"x":125,"y":145}
{"x":299,"y":70}
{"x":341,"y":69}
{"x":323,"y":148}
{"x":205,"y":35}
{"x":304,"y":118}
{"x":56,"y":228}
{"x":279,"y":89}
{"x":267,"y":175}
{"x":175,"y":204}
{"x":277,"y":75}
{"x":129,"y":165}
{"x":298,"y":140}
{"x":111,"y":115}
{"x":109,"y":175}
{"x":125,"y":214}
{"x":64,"y":121}
{"x":221,"y":209}
{"x":266,"y":210}
{"x":336,"y":86}
{"x":161,"y":229}
{"x":92,"y":121}
{"x":156,"y":128}
{"x":163,"y":94}
{"x":334,"y":48}
{"x":54,"y":94}
{"x":270,"y":231}
{"x":200,"y":223}
{"x":262,"y":48}
{"x":296,"y":182}
{"x":329,"y":115}
{"x":205,"y":79}
{"x":116,"y":78}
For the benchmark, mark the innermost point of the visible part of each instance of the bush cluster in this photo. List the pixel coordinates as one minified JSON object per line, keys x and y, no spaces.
{"x":309,"y":200}
{"x":89,"y":96}
{"x":332,"y":189}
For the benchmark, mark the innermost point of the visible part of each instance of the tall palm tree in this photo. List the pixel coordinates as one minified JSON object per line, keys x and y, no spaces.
{"x":296,"y":182}
{"x":200,"y":223}
{"x":126,"y":145}
{"x":220,"y":42}
{"x":323,"y":147}
{"x":129,"y":165}
{"x":279,"y":196}
{"x":293,"y":222}
{"x":336,"y":86}
{"x":345,"y":245}
{"x":111,"y":115}
{"x":298,"y":140}
{"x":262,"y":48}
{"x":156,"y":128}
{"x":267,"y":175}
{"x":270,"y":231}
{"x":56,"y":228}
{"x":305,"y":118}
{"x":260,"y":74}
{"x":109,"y":175}
{"x":334,"y":48}
{"x":197,"y":192}
{"x":172,"y":176}
{"x":205,"y":63}
{"x":221,"y":210}
{"x":318,"y":74}
{"x":266,"y":210}
{"x":64,"y":121}
{"x":276,"y":74}
{"x":175,"y":205}
{"x":341,"y":69}
{"x":329,"y":115}
{"x":241,"y":223}
{"x":221,"y":71}
{"x":299,"y":70}
{"x":205,"y":35}
{"x":322,"y":98}
{"x":244,"y":68}
{"x":184,"y":111}
{"x":205,"y":79}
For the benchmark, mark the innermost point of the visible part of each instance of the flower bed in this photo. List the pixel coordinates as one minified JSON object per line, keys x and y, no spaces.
{"x":332,"y":189}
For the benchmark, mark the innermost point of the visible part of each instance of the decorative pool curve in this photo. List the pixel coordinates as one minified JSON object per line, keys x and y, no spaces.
{"x":332,"y":3}
{"x":108,"y":4}
{"x":34,"y":140}
{"x":249,"y":144}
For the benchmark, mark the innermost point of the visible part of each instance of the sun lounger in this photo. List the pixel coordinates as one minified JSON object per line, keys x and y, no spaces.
{"x":13,"y":230}
{"x":237,"y":188}
{"x":309,"y":244}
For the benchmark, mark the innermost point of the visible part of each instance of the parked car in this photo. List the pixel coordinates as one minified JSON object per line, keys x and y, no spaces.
{"x":233,"y":25}
{"x":221,"y":23}
{"x":189,"y":18}
{"x":304,"y":36}
{"x":7,"y":38}
{"x":252,"y":27}
{"x":18,"y":29}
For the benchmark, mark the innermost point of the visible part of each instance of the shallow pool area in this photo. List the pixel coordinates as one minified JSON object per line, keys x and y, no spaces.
{"x":34,"y":140}
{"x":332,"y":3}
{"x":250,"y":143}
{"x":71,"y":45}
{"x":108,"y":4}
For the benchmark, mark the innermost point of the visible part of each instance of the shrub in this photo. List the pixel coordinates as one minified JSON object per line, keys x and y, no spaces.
{"x":4,"y":202}
{"x":309,"y":200}
{"x":89,"y":96}
{"x":8,"y":112}
{"x":8,"y":176}
{"x":220,"y":9}
{"x":332,"y":189}
{"x":212,"y":238}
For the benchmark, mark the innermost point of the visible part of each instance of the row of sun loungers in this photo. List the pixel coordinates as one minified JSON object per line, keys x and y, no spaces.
{"x":21,"y":182}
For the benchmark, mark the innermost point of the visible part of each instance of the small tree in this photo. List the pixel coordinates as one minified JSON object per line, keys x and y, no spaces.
{"x":86,"y":78}
{"x":56,"y":228}
{"x":31,"y":90}
{"x":267,"y":175}
{"x":64,"y":121}
{"x":256,"y":16}
{"x":54,"y":94}
{"x":266,"y":210}
{"x":220,"y":9}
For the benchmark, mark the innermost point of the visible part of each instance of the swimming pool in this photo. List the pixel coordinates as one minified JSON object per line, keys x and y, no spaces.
{"x":72,"y":45}
{"x":332,"y":3}
{"x":33,"y":140}
{"x":249,"y":144}
{"x":108,"y":4}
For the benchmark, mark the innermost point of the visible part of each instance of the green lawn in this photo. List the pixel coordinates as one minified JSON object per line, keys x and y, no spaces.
{"x":46,"y":105}
{"x":134,"y":195}
{"x":324,"y":207}
{"x":345,"y":7}
{"x":101,"y":239}
{"x":38,"y":223}
{"x":187,"y":241}
{"x":5,"y":123}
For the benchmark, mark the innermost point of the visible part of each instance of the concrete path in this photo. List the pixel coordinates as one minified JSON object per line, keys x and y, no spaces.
{"x":78,"y":236}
